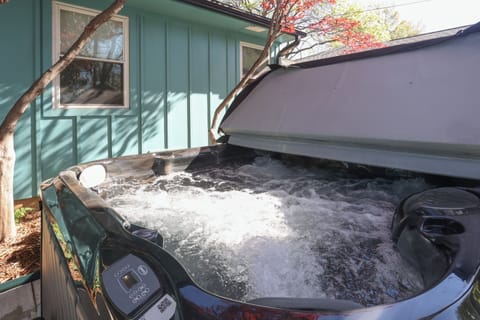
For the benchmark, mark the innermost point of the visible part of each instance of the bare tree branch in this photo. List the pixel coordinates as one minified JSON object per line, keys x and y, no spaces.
{"x":273,"y":32}
{"x":316,"y":44}
{"x":286,"y":51}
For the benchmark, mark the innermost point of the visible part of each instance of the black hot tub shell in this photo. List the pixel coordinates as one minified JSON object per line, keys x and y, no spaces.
{"x":96,"y":265}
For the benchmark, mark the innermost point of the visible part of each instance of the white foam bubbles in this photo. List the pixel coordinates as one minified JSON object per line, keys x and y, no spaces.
{"x":270,"y":230}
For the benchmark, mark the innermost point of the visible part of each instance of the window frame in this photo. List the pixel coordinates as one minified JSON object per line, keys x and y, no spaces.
{"x":56,"y":43}
{"x":244,"y":44}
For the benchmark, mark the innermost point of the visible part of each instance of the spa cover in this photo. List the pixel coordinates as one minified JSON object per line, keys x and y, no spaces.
{"x":413,"y":106}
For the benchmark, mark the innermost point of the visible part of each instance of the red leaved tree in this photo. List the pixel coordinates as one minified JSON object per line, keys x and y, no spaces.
{"x":345,"y":31}
{"x":294,"y":17}
{"x":7,"y":128}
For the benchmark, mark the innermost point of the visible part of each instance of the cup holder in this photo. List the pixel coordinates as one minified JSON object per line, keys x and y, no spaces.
{"x":441,"y":226}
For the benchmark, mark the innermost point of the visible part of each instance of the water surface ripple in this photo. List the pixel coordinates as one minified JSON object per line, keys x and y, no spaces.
{"x":270,"y":230}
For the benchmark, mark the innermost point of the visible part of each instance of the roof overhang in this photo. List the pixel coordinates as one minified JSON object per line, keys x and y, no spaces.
{"x":210,"y":13}
{"x":229,"y":11}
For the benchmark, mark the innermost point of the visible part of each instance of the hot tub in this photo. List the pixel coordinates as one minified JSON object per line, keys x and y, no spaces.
{"x":98,"y":265}
{"x":412,"y":107}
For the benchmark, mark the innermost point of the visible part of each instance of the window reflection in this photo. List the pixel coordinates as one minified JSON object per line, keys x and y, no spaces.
{"x":249,"y":55}
{"x":92,"y":82}
{"x":105,"y":43}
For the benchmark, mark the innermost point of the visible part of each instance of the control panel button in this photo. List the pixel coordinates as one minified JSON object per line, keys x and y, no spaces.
{"x":142,"y":269}
{"x":129,"y":282}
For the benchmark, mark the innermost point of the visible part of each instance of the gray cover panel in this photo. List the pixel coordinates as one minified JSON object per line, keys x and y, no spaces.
{"x":400,"y":159}
{"x":422,"y":102}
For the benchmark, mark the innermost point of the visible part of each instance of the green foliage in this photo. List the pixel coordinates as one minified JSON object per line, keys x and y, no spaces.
{"x":20,"y":213}
{"x":381,"y":21}
{"x":348,"y":22}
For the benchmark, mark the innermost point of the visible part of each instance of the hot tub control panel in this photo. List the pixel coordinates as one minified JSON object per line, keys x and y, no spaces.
{"x":129,"y":282}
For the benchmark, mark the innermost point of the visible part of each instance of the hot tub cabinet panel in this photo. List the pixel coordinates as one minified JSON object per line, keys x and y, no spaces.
{"x":96,"y":265}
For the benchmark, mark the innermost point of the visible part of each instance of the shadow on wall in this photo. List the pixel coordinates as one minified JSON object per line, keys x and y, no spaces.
{"x":176,"y":82}
{"x":153,"y":121}
{"x":180,"y":122}
{"x":56,"y":147}
{"x":64,"y":140}
{"x":67,"y":140}
{"x":5,"y":99}
{"x":23,"y":175}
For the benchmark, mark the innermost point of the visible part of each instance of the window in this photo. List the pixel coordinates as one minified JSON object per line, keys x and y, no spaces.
{"x":249,"y":53}
{"x":98,"y":77}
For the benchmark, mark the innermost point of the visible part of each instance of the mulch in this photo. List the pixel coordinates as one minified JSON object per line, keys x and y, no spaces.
{"x":21,"y":256}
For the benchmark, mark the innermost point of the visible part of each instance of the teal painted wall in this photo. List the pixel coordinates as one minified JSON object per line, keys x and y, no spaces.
{"x":179,"y":73}
{"x":19,"y":64}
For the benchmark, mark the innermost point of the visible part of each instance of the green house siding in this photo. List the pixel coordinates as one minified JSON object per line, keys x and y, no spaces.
{"x":18,"y":67}
{"x":179,"y":72}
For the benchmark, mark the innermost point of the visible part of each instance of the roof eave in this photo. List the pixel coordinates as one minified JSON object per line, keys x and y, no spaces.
{"x":230,"y":11}
{"x":236,"y":13}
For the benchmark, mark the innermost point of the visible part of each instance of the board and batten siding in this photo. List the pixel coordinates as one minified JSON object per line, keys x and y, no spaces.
{"x":179,"y":73}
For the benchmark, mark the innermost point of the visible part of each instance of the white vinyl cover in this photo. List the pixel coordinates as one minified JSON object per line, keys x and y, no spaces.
{"x":417,"y":110}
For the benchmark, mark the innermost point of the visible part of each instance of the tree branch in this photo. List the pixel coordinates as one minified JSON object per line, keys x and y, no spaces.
{"x":316,"y":44}
{"x":285,"y":51}
{"x":274,"y":31}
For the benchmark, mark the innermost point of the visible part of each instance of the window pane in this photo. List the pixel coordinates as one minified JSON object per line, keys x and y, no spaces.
{"x":249,"y":56}
{"x":92,"y":82}
{"x":106,"y":42}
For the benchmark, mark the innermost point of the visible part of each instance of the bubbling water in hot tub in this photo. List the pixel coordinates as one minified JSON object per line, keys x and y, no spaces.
{"x":270,"y":230}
